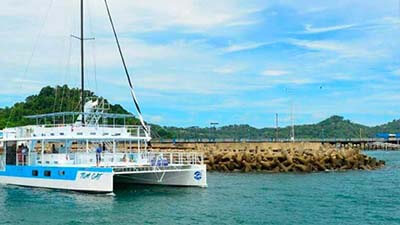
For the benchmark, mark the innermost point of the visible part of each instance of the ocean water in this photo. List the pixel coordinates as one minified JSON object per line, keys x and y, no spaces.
{"x":355,"y":197}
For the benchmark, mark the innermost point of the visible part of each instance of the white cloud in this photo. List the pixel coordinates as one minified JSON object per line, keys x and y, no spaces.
{"x":319,"y":45}
{"x":313,"y":10}
{"x":396,"y":72}
{"x":228,"y":69}
{"x":275,"y":73}
{"x":245,"y":46}
{"x":18,"y":86}
{"x":242,"y":23}
{"x":138,"y":16}
{"x":344,"y":49}
{"x":313,"y":30}
{"x":344,"y":77}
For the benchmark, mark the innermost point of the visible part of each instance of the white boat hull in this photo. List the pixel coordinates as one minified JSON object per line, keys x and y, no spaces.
{"x":101,"y":180}
{"x":196,"y":176}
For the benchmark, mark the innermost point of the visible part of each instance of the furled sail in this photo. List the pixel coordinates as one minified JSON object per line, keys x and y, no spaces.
{"x":127,"y":73}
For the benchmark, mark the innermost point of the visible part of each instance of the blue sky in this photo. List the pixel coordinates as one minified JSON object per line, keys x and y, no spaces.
{"x":229,"y":61}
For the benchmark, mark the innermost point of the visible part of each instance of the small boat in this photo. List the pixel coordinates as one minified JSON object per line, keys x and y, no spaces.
{"x":84,"y":151}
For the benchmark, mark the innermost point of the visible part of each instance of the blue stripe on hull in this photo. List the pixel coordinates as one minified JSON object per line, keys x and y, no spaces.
{"x":58,"y":173}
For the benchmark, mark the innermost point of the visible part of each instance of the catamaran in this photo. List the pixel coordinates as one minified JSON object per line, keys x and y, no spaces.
{"x":84,"y":151}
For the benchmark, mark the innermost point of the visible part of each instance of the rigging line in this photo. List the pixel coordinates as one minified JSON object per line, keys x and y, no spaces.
{"x":67,"y":72}
{"x":126,"y":71}
{"x":34,"y":50}
{"x":66,"y":41}
{"x":55,"y":98}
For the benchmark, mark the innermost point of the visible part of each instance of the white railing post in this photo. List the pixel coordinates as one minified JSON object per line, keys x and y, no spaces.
{"x":42,"y":153}
{"x":114,"y":148}
{"x":29,"y":157}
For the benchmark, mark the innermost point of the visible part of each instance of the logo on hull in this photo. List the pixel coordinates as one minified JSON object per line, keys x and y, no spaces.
{"x":91,"y":176}
{"x":197,"y":175}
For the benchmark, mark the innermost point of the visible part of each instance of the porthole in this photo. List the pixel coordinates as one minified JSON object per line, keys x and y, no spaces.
{"x":61,"y":173}
{"x":47,"y":173}
{"x":35,"y":173}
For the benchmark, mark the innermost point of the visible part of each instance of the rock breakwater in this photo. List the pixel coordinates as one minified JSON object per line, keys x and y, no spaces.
{"x":277,"y":157}
{"x":291,"y":160}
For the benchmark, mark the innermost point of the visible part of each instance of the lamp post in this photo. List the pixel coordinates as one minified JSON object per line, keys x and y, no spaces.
{"x":292,"y":133}
{"x":276,"y":127}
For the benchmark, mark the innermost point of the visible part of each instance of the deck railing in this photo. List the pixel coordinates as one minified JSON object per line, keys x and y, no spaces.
{"x":112,"y":159}
{"x":176,"y":158}
{"x":65,"y":130}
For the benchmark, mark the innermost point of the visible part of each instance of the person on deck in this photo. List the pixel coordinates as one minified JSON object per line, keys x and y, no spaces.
{"x":53,"y":149}
{"x":104,"y":147}
{"x":24,"y":152}
{"x":19,"y":153}
{"x":98,"y":155}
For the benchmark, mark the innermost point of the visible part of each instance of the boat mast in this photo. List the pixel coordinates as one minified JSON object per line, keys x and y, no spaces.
{"x":82,"y":66}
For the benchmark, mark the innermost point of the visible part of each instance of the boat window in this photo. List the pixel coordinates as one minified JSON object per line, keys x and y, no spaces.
{"x":52,"y":134}
{"x":47,"y":173}
{"x":61,"y":134}
{"x":43,"y":135}
{"x":35,"y":173}
{"x":105,"y":134}
{"x":61,"y":173}
{"x":93,"y":133}
{"x":80,"y":133}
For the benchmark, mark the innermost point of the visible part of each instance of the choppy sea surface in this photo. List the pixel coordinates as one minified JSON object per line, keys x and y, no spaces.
{"x":355,"y":197}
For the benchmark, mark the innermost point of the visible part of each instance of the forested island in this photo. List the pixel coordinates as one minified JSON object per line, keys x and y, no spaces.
{"x":64,"y":98}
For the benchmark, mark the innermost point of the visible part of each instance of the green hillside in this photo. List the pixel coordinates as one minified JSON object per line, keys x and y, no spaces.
{"x":58,"y":99}
{"x":63,"y":98}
